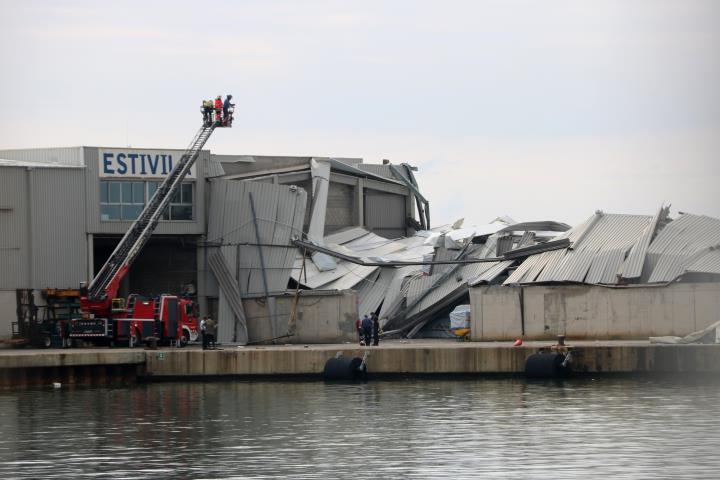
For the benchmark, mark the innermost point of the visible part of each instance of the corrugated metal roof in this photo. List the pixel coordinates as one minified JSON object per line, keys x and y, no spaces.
{"x":344,"y":236}
{"x":706,"y":262}
{"x":343,"y":167}
{"x":213,"y":167}
{"x":595,"y":256}
{"x":491,"y":273}
{"x":633,"y":266}
{"x":438,"y":289}
{"x":395,"y":294}
{"x":69,"y":156}
{"x":677,"y":242}
{"x":604,"y":267}
{"x":22,"y":163}
{"x":544,"y":226}
{"x":379,"y":169}
{"x":351,"y":275}
{"x":373,"y":293}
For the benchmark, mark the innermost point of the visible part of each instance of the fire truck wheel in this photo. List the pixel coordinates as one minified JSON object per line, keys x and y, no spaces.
{"x":184,"y":339}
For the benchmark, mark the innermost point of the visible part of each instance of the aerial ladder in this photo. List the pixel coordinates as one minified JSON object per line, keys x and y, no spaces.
{"x":97,"y":297}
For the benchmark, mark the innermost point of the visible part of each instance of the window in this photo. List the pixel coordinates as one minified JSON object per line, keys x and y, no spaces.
{"x":181,"y":203}
{"x":123,"y":200}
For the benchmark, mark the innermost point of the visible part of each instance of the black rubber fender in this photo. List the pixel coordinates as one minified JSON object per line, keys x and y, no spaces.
{"x":546,"y":365}
{"x":345,"y":368}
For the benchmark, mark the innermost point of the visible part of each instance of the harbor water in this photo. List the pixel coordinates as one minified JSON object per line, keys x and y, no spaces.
{"x":606,"y":427}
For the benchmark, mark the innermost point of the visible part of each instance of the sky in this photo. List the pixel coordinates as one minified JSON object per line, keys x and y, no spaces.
{"x":540,"y":110}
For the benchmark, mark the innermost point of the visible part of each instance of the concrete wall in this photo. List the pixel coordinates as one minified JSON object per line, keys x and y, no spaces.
{"x":586,"y":312}
{"x":340,"y":207}
{"x":322,"y":317}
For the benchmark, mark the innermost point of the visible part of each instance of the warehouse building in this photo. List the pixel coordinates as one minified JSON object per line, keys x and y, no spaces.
{"x":63,"y":210}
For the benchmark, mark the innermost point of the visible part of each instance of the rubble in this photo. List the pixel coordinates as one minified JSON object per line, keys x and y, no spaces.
{"x":607,"y":249}
{"x":409,"y":281}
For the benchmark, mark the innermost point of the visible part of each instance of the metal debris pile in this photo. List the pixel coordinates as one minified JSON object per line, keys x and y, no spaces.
{"x":607,"y":249}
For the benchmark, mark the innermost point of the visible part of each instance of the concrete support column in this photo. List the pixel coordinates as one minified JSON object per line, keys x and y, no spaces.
{"x":409,"y":211}
{"x":201,"y":276}
{"x":30,"y":242}
{"x":359,"y":203}
{"x":90,"y":256}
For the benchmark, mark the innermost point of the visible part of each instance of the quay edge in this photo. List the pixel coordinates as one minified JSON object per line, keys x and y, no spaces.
{"x":112,"y":366}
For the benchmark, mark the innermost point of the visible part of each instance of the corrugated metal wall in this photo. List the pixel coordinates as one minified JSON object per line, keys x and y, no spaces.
{"x":42,"y":244}
{"x":59,"y":243}
{"x":14,"y":244}
{"x":280,"y":210}
{"x":63,"y":156}
{"x":385,"y":213}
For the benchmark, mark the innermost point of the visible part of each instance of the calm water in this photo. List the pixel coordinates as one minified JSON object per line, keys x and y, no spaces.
{"x":602,"y":428}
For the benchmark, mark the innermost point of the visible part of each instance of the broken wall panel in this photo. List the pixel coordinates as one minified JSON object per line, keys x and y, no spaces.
{"x":280,"y":210}
{"x":233,"y":234}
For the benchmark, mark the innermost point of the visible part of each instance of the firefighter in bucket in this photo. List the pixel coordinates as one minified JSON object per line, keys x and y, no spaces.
{"x":227,"y":110}
{"x":223,"y":112}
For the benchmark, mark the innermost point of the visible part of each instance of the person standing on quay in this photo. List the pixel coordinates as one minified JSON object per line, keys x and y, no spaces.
{"x":366,"y":329}
{"x":211,"y":327}
{"x":203,"y":332}
{"x":375,"y":329}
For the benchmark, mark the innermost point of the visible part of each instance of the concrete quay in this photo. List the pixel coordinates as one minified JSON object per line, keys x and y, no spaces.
{"x":101,"y":366}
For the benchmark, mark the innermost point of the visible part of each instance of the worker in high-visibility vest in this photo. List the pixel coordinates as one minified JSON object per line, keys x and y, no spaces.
{"x":207,"y":109}
{"x":218,"y":109}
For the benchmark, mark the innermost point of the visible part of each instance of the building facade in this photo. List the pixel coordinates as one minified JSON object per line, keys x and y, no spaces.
{"x":63,"y":211}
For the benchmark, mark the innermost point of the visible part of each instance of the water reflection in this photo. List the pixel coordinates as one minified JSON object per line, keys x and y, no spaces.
{"x":509,"y":428}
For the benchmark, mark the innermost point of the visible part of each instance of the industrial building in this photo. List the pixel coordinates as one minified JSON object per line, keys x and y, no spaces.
{"x":63,"y":210}
{"x":295,"y":248}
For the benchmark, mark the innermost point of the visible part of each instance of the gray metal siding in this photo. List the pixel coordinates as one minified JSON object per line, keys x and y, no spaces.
{"x":59,"y":243}
{"x":385,"y":213}
{"x":42,"y":244}
{"x":279,"y":209}
{"x":14,"y":245}
{"x":94,"y":225}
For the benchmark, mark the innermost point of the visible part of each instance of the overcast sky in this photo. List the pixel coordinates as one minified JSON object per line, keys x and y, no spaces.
{"x":534,"y":109}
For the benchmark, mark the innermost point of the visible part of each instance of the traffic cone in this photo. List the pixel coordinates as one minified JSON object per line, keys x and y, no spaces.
{"x":518,"y":342}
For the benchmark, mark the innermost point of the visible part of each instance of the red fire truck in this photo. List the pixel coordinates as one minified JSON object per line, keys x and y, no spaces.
{"x":167,"y":318}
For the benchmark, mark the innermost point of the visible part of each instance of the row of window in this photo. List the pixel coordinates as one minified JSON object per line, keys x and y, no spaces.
{"x":125,"y":200}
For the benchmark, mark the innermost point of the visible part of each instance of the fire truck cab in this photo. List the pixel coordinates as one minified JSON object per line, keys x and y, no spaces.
{"x":168,"y":318}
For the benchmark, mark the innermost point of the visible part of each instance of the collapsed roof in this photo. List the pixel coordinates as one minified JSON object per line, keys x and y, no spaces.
{"x":410,"y":280}
{"x":614,"y":249}
{"x":606,"y":249}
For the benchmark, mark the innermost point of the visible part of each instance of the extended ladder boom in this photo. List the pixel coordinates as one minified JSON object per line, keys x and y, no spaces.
{"x":106,"y":283}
